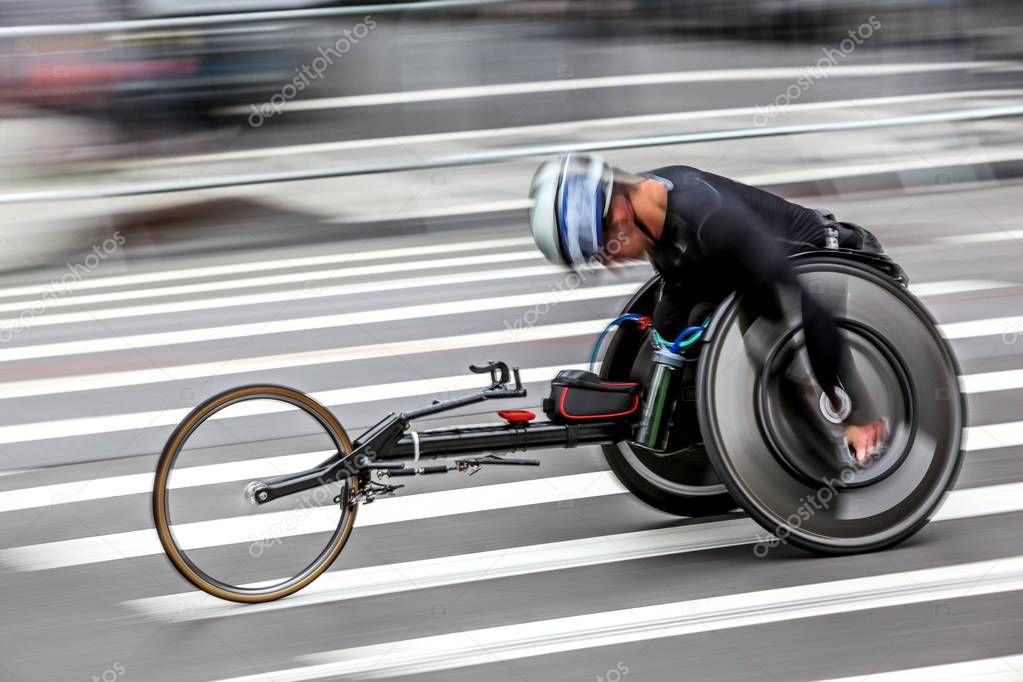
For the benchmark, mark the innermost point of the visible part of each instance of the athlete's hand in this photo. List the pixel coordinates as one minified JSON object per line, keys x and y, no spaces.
{"x":865,"y":439}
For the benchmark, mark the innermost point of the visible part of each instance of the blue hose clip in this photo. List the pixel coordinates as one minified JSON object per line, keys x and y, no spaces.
{"x":614,"y":323}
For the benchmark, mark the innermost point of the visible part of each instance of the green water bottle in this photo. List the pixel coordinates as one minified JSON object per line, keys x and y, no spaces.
{"x":662,"y":389}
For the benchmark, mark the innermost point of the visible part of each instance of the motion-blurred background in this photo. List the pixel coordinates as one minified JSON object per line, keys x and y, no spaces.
{"x":161,"y":240}
{"x":136,"y":93}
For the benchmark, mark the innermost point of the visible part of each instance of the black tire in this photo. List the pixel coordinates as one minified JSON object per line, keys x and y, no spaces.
{"x":899,"y":352}
{"x":179,"y":555}
{"x":683,"y":484}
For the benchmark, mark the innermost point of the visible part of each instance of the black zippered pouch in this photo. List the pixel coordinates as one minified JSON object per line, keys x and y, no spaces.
{"x":577,"y":395}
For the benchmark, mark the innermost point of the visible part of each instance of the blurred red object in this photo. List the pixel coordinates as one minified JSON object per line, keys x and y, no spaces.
{"x":59,"y":84}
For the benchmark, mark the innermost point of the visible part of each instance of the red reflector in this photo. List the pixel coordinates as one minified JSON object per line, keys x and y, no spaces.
{"x":514,"y":416}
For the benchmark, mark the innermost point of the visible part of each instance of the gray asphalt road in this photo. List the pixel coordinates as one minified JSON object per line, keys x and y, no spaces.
{"x":85,"y":595}
{"x":518,"y":574}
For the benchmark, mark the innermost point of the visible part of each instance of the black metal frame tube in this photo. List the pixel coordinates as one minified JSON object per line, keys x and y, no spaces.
{"x":302,"y":481}
{"x":386,"y":442}
{"x":449,"y":442}
{"x":504,"y":438}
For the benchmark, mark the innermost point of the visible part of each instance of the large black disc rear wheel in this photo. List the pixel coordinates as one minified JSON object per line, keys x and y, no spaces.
{"x":797,"y":485}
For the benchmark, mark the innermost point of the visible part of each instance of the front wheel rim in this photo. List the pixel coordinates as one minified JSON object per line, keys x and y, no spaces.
{"x":180,"y":558}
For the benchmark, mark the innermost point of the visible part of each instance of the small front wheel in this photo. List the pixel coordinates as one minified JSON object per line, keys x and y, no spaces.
{"x":215,"y":531}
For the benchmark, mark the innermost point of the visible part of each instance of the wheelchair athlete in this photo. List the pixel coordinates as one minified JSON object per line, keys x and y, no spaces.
{"x":707,"y":236}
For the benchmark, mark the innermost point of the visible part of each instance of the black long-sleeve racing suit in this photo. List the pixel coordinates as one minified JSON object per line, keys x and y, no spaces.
{"x":722,"y":236}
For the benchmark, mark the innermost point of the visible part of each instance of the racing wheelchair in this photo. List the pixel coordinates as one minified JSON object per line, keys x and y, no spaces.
{"x":736,"y":436}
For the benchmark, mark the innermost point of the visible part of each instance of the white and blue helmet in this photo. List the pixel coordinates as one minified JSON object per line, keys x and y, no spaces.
{"x":570,"y":198}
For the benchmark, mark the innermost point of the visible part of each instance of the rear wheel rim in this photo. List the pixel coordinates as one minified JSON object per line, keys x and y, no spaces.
{"x":881,"y":368}
{"x":683,"y":473}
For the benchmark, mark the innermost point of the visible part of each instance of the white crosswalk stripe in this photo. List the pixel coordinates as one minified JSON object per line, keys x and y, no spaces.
{"x":983,"y":436}
{"x":136,"y":484}
{"x":217,"y":532}
{"x":984,"y":237}
{"x":559,"y":556}
{"x":18,"y":389}
{"x":64,"y":525}
{"x":1004,"y":669}
{"x":310,"y":280}
{"x":978,"y":437}
{"x":82,"y":426}
{"x":1010,"y":328}
{"x":343,"y":258}
{"x":113,"y":547}
{"x":303,"y":324}
{"x":495,"y":339}
{"x":595,"y":629}
{"x":279,"y":296}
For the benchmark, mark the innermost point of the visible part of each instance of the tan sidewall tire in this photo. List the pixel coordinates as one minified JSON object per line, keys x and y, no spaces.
{"x":169,"y":455}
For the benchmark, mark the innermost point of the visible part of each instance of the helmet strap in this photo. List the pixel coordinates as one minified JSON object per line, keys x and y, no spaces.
{"x":644,"y":230}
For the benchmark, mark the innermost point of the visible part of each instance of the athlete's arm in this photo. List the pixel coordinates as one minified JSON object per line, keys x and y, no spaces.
{"x":737,"y":233}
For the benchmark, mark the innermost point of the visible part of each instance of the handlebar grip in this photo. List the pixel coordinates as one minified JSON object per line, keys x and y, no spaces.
{"x":498,"y":371}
